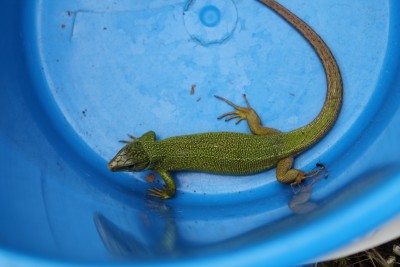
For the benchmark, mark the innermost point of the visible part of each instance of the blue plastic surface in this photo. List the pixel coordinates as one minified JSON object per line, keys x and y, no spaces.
{"x":77,"y":76}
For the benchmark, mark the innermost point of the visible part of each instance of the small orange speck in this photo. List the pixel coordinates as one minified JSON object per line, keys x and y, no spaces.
{"x":192,"y":89}
{"x":150,"y":178}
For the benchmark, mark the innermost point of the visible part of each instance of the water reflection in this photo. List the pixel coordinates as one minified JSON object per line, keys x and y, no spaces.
{"x":301,"y":202}
{"x":125,"y":244}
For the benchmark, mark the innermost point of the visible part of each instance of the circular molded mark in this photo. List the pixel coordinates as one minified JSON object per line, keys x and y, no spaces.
{"x":210,"y":21}
{"x":210,"y":16}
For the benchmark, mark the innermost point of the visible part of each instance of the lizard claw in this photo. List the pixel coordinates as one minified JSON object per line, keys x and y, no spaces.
{"x":159,"y":193}
{"x":240,"y":112}
{"x":314,"y":172}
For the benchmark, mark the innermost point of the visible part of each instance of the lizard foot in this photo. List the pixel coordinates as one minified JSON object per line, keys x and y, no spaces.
{"x":159,"y":193}
{"x":128,"y":141}
{"x":305,"y":175}
{"x":241,"y":113}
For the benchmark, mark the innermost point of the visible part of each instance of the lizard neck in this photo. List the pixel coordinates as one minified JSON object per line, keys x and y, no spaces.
{"x":304,"y":137}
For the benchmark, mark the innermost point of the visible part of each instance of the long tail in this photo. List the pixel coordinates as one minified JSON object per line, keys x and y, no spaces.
{"x":308,"y":135}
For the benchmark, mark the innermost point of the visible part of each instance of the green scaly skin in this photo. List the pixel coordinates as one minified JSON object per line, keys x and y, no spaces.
{"x":239,"y":153}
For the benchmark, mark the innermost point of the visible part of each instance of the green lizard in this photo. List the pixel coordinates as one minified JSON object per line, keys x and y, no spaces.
{"x":239,"y":153}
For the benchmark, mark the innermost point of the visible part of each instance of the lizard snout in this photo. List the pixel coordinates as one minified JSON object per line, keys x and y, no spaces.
{"x":112,"y":165}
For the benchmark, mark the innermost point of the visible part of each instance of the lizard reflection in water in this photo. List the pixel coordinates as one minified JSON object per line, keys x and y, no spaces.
{"x":239,"y":153}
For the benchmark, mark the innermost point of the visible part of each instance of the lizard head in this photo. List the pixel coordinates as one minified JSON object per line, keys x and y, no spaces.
{"x":132,"y":157}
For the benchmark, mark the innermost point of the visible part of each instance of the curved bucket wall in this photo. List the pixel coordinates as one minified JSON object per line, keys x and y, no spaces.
{"x":77,"y":76}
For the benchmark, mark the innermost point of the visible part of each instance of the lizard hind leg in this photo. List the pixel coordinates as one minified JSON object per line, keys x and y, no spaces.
{"x":286,"y":174}
{"x":248,"y":114}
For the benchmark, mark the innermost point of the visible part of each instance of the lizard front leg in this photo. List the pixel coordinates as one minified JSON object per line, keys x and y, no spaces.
{"x":168,"y":190}
{"x":248,"y":114}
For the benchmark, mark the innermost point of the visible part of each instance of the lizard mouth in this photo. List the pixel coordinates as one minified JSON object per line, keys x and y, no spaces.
{"x":114,"y":167}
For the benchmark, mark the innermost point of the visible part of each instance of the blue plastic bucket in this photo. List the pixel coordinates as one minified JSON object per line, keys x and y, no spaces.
{"x":77,"y":76}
